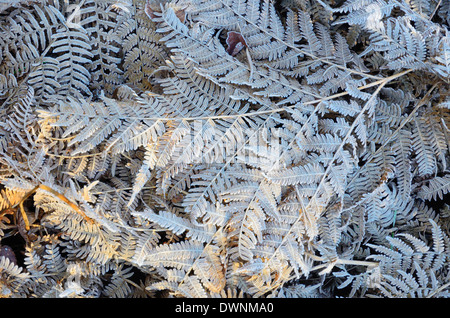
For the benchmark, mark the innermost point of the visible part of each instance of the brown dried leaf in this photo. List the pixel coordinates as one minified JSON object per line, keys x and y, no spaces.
{"x":8,"y":252}
{"x":235,"y":42}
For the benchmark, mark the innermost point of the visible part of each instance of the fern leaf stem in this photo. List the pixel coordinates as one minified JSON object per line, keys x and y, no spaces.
{"x":437,"y":291}
{"x":316,"y":58}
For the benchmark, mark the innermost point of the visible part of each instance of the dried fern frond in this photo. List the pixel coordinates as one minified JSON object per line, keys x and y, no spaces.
{"x":216,"y":148}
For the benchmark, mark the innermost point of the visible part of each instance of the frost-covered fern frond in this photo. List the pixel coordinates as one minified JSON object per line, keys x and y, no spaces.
{"x":200,"y":148}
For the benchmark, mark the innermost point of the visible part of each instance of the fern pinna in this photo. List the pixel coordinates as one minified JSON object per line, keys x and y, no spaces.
{"x":200,"y":148}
